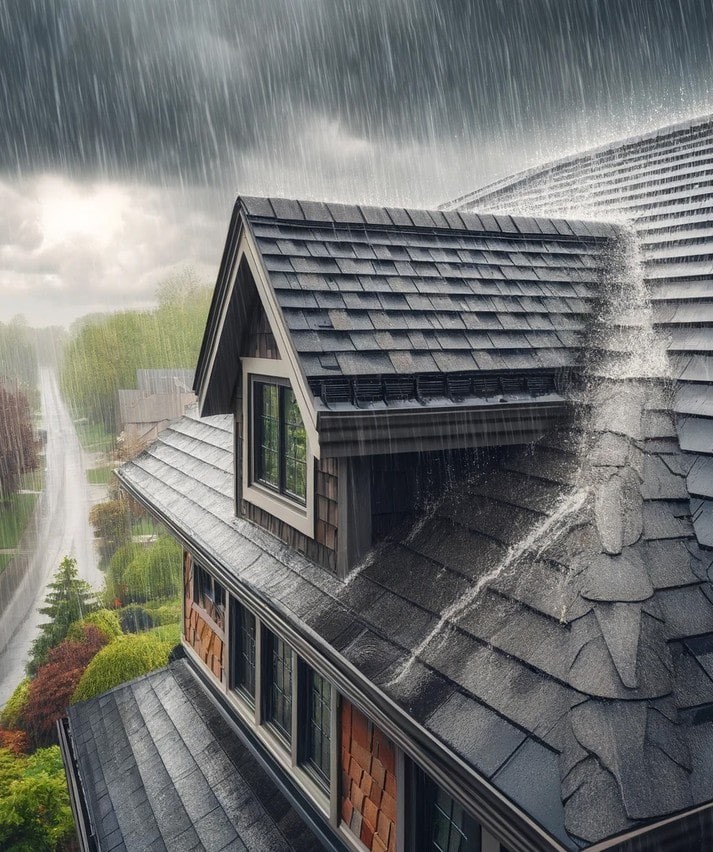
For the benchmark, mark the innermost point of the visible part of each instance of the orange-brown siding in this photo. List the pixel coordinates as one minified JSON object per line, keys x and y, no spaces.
{"x":368,"y":778}
{"x":202,"y":633}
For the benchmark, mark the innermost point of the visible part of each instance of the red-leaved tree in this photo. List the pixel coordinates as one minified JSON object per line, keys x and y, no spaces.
{"x":18,"y":453}
{"x":56,"y":680}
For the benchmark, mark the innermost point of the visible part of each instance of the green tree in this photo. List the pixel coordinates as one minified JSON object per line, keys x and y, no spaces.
{"x":35,"y":814}
{"x":112,"y":524}
{"x":68,"y":599}
{"x":168,"y":336}
{"x":126,"y":658}
{"x":17,"y":444}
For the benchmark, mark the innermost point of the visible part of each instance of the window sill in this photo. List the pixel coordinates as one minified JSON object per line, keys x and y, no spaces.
{"x":289,"y":511}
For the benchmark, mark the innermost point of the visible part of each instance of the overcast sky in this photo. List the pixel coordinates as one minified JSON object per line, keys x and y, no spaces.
{"x":128,"y":128}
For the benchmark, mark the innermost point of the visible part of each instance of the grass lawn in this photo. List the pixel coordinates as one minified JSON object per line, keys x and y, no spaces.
{"x":15,"y":512}
{"x":145,"y":526}
{"x":93,"y":437}
{"x":100,"y":475}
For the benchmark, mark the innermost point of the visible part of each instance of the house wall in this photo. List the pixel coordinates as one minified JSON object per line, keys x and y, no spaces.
{"x":368,"y":780}
{"x":260,"y":341}
{"x":202,"y":633}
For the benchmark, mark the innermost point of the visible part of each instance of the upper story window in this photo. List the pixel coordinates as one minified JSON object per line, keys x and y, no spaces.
{"x":452,"y":830}
{"x":242,"y":650}
{"x":280,"y":440}
{"x":278,"y":691}
{"x":317,"y":725}
{"x":208,"y":594}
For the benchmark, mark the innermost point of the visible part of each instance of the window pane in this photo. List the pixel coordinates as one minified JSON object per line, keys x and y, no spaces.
{"x":244,"y":651}
{"x":453,"y":829}
{"x":318,"y":745}
{"x":279,"y":710}
{"x":295,"y":447}
{"x":267,"y":433}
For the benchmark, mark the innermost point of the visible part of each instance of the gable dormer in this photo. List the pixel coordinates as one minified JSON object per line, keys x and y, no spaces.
{"x":362,"y":349}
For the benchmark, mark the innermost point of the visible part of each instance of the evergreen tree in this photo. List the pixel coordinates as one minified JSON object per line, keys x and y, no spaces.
{"x":68,"y":599}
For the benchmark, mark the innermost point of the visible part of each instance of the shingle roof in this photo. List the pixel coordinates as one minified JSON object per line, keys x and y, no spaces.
{"x":573,"y":663}
{"x":163,"y":771}
{"x":662,"y":183}
{"x":382,"y":292}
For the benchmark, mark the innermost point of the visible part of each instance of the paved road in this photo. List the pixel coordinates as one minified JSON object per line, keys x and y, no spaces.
{"x":63,"y":530}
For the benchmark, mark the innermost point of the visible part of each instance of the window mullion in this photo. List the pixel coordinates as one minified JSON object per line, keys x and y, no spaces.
{"x":260,"y":664}
{"x":282,"y":439}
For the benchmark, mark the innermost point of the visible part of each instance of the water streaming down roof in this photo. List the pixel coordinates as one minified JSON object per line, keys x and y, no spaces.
{"x":548,"y":621}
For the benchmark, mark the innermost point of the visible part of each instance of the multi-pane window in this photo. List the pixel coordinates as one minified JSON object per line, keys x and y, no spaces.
{"x":208,"y":593}
{"x":318,"y":706}
{"x":452,"y":830}
{"x":278,"y":693}
{"x":280,"y":440}
{"x":243,"y":650}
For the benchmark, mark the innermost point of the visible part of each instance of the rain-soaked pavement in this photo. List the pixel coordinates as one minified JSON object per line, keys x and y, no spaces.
{"x":63,"y":529}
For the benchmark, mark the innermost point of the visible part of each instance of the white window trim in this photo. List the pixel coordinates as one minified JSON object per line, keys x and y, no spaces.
{"x":296,"y":515}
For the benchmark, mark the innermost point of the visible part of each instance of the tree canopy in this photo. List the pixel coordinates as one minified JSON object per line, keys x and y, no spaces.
{"x":68,"y":599}
{"x":106,"y":351}
{"x":18,"y":453}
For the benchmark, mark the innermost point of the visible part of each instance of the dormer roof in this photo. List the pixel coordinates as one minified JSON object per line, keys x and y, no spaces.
{"x":388,"y":303}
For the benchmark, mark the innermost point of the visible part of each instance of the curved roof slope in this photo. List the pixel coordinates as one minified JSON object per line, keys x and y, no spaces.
{"x":539,"y":623}
{"x":662,"y":183}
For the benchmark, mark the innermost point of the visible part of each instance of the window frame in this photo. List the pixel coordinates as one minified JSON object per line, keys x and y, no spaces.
{"x":306,"y":681}
{"x":236,"y":652}
{"x":281,"y":485}
{"x":299,"y":515}
{"x":217,"y":615}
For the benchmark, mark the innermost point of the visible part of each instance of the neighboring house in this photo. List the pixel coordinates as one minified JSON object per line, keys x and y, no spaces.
{"x":446,"y":587}
{"x":161,"y":396}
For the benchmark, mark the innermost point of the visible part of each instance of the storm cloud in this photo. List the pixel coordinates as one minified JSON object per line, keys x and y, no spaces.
{"x":390,"y":101}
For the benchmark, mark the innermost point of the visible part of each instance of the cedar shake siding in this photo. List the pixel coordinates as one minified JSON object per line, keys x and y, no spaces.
{"x":368,"y":779}
{"x":203,"y":624}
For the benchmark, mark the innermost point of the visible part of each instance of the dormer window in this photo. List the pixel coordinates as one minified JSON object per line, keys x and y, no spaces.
{"x":277,"y":447}
{"x":280,"y":445}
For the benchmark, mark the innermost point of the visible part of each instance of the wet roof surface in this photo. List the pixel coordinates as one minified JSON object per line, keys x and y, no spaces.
{"x":571,"y":660}
{"x":385,"y":291}
{"x":162,"y":770}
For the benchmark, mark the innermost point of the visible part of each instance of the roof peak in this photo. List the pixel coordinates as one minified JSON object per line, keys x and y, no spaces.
{"x":341,"y":215}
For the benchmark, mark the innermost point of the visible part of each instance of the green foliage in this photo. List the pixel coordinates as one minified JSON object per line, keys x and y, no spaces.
{"x":116,"y":589}
{"x":106,"y":621}
{"x":18,"y":355}
{"x":135,"y":618}
{"x":155,"y":572}
{"x":112,"y":524}
{"x":99,"y":475}
{"x":170,"y":633}
{"x":15,"y":513}
{"x":54,"y":683}
{"x":124,"y":659}
{"x":169,"y":336}
{"x":11,"y":714}
{"x":35,"y":814}
{"x":165,"y":612}
{"x":69,"y":599}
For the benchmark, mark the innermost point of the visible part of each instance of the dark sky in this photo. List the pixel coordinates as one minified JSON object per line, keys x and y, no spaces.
{"x":126,"y":128}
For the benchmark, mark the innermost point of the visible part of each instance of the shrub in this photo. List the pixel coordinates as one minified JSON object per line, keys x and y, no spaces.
{"x":164,"y":613}
{"x":106,"y":621}
{"x":155,"y":572}
{"x":124,"y":659}
{"x":135,"y":619}
{"x":55,"y":682}
{"x":116,"y":588}
{"x":35,"y":813}
{"x":15,"y":741}
{"x":11,"y":714}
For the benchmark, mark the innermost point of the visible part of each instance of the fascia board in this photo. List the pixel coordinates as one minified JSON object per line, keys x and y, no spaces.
{"x":305,"y":400}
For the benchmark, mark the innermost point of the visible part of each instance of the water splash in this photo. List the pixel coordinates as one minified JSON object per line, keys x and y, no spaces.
{"x":534,"y":543}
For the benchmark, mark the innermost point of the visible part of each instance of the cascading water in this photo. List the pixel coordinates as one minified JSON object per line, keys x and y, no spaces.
{"x":623,"y":355}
